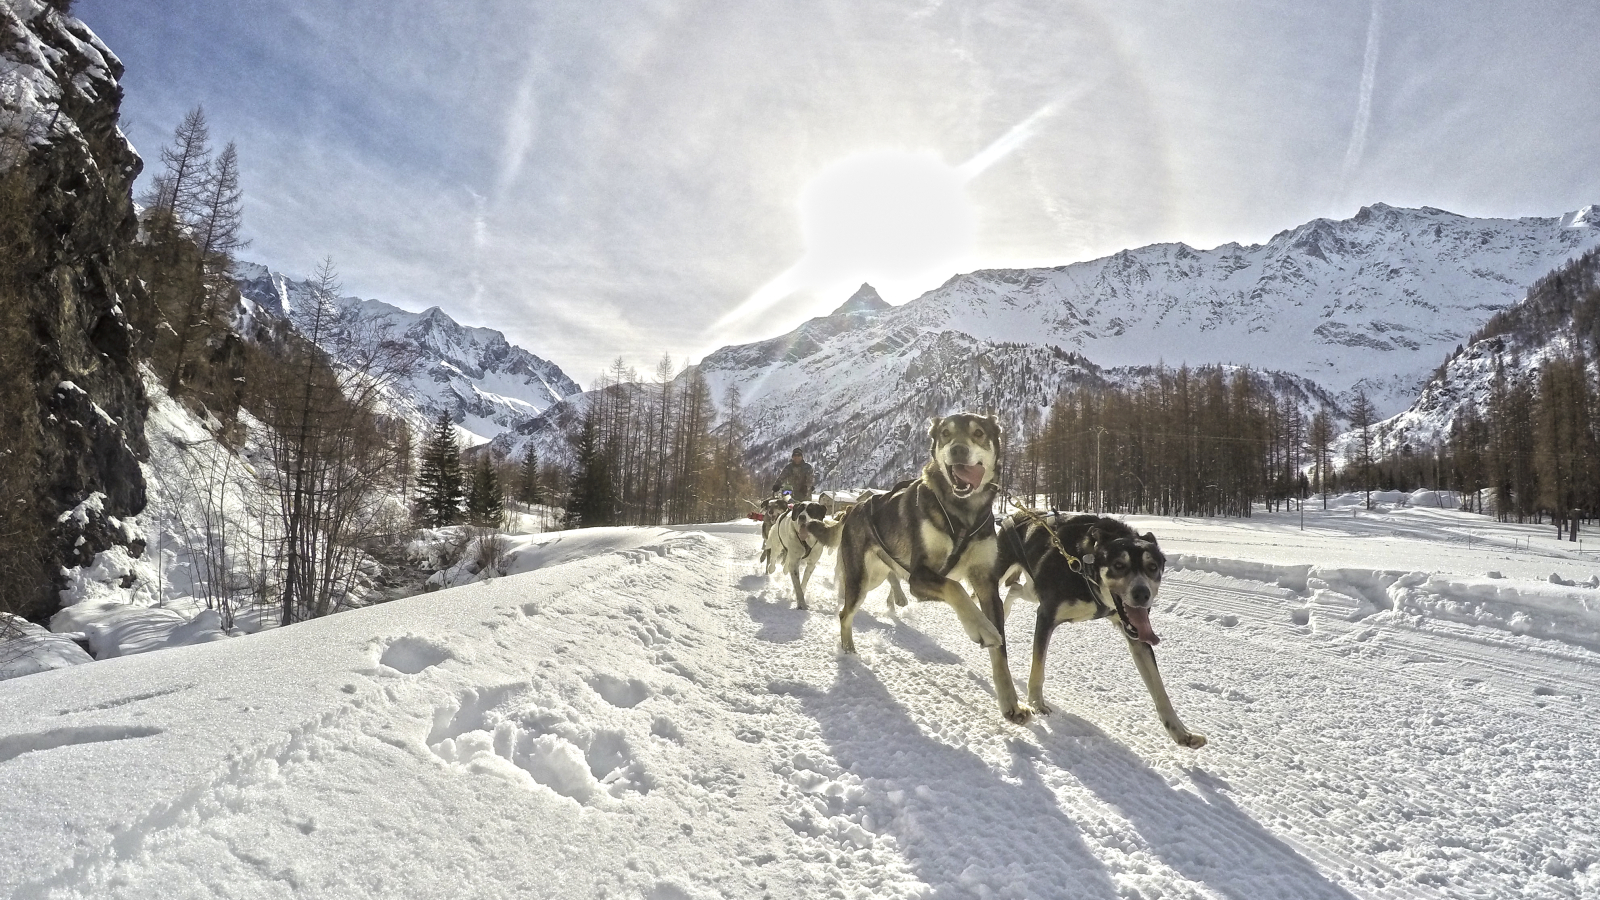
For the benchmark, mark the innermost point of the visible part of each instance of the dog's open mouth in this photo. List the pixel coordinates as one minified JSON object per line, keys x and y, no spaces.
{"x":1137,"y":619}
{"x":966,"y":479}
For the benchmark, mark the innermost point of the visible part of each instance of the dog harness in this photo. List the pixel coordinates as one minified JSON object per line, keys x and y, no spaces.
{"x":1081,"y":566}
{"x":961,"y":540}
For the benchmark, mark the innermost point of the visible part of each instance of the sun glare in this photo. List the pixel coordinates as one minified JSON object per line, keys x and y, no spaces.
{"x":889,"y":217}
{"x":885,"y":215}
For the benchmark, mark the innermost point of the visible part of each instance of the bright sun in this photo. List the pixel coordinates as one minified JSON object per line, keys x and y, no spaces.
{"x":887,"y":215}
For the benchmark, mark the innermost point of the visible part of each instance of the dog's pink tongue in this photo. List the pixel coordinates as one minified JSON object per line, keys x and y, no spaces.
{"x":1139,"y":618}
{"x":967,"y":476}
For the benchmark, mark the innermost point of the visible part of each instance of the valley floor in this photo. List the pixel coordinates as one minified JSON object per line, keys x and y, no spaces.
{"x":641,"y":713}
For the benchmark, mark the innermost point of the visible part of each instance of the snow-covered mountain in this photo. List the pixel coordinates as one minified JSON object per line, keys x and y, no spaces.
{"x":1373,"y":302}
{"x":1517,"y":341}
{"x":485,"y":383}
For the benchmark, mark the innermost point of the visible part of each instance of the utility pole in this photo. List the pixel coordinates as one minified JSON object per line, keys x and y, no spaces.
{"x":1099,"y":496}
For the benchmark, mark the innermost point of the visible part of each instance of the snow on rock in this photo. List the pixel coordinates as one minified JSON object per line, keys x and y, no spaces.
{"x":117,"y":629}
{"x":151,"y":594}
{"x":26,"y":649}
{"x":638,"y":712}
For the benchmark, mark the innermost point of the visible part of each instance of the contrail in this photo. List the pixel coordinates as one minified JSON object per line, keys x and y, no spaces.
{"x":1011,"y":140}
{"x":1369,"y":71}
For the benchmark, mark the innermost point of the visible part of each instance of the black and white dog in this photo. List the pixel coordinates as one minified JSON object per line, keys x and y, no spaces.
{"x":1116,"y":576}
{"x":797,"y":538}
{"x":771,"y":508}
{"x":934,"y":533}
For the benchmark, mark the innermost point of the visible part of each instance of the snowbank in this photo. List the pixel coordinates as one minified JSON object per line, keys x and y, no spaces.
{"x":1558,"y":610}
{"x":1421,"y":498}
{"x":118,"y":629}
{"x":26,"y":649}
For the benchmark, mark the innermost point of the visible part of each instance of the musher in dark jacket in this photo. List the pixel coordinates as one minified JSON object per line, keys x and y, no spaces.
{"x":796,"y":478}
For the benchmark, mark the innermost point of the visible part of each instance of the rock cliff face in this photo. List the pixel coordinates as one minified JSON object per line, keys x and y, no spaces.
{"x":71,"y":172}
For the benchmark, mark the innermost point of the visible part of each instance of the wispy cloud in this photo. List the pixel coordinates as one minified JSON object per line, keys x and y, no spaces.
{"x":609,"y":179}
{"x":1369,"y":72}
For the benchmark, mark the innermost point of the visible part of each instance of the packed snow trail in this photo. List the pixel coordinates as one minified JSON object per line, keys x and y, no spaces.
{"x":644,"y":715}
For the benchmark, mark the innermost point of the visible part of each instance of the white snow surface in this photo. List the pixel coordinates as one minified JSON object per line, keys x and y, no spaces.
{"x":636,"y":712}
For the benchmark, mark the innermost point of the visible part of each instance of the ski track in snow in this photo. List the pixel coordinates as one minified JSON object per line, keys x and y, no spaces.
{"x":649,"y":717}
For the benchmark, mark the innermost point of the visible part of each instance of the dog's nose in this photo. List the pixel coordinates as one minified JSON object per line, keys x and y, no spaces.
{"x":1141,"y":595}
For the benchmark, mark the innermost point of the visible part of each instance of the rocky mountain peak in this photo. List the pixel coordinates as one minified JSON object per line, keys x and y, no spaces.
{"x":864,"y":300}
{"x":482,"y":381}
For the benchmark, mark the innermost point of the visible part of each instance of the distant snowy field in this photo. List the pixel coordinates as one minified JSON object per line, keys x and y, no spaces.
{"x":638,"y":713}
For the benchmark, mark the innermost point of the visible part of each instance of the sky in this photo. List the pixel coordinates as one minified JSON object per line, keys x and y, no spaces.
{"x":669,"y":176}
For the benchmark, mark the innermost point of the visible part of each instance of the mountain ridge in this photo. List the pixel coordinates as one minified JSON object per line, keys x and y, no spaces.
{"x":481,"y":380}
{"x":1369,"y":303}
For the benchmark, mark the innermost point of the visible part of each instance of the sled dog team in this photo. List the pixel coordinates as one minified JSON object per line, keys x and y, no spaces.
{"x":939,"y":530}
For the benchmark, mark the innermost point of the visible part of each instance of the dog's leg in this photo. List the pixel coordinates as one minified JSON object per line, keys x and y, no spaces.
{"x":850,"y":574}
{"x":811,"y":566}
{"x":1144,"y":658}
{"x":1005,"y":690}
{"x":929,"y":585}
{"x":1044,"y":626}
{"x":1015,"y":589}
{"x":897,"y":597}
{"x":799,"y":583}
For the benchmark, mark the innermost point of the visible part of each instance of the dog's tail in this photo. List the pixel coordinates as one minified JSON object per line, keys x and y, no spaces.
{"x":826,"y":533}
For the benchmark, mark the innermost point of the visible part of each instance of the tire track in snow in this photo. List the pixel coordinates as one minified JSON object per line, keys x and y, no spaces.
{"x":1439,"y":725}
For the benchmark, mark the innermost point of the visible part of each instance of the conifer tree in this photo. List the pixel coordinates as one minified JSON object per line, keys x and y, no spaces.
{"x":439,"y":479}
{"x":217,"y":216}
{"x":1362,"y":417}
{"x":591,"y":500}
{"x":528,"y":489}
{"x":187,"y":167}
{"x":486,"y":506}
{"x":1319,"y":443}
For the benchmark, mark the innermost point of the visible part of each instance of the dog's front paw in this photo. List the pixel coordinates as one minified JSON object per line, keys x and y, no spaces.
{"x":1041,"y":707}
{"x":1190,"y":739}
{"x":801,"y":604}
{"x":1018,"y":715}
{"x":986,"y":635}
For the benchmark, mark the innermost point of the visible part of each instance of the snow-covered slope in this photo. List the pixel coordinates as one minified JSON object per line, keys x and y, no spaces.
{"x":1373,"y":302}
{"x":642,"y":715}
{"x":485,"y":383}
{"x":1518,"y":342}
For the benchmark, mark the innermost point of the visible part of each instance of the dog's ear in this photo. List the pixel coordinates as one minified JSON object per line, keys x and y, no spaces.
{"x":999,"y":442}
{"x":1148,"y":536}
{"x":1093,"y":537}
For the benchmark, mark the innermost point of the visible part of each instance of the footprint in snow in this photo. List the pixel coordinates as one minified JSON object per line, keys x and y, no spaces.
{"x":493,"y":733}
{"x":411,"y":654}
{"x":624,"y":693}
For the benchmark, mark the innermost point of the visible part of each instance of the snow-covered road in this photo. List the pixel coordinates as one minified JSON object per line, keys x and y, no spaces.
{"x":643,"y":715}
